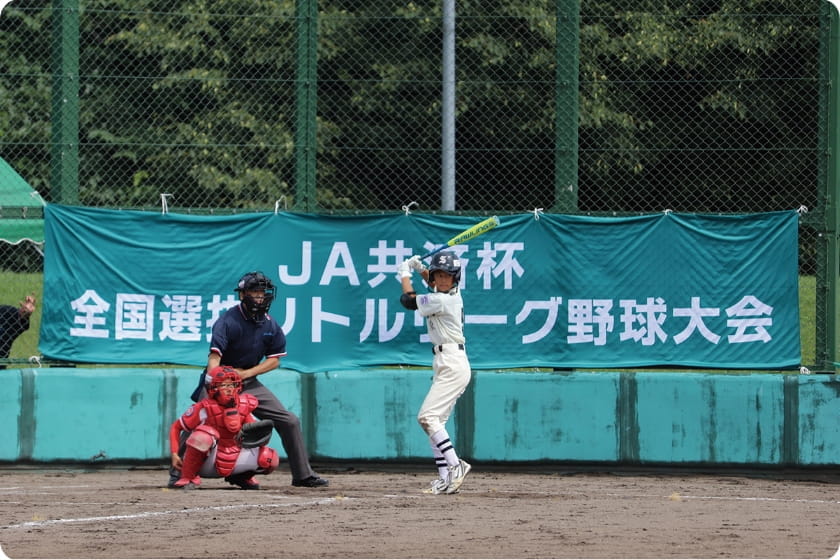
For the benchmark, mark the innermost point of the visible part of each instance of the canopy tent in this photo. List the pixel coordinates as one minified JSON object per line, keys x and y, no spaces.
{"x":16,"y":196}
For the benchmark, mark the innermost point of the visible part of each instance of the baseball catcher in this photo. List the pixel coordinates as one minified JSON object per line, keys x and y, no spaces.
{"x":224,"y":439}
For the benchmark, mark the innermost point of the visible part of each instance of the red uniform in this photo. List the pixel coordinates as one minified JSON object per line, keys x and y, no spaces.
{"x":210,"y":413}
{"x":214,"y":445}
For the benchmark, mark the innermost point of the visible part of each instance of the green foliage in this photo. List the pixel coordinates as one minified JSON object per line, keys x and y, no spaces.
{"x":699,"y":85}
{"x":693,"y":106}
{"x":25,"y":92}
{"x":204,"y":103}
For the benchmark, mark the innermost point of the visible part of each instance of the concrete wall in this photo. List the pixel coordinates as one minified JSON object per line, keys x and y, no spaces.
{"x":769,"y":419}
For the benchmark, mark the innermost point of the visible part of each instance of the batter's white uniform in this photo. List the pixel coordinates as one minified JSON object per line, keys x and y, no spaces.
{"x":444,"y":313}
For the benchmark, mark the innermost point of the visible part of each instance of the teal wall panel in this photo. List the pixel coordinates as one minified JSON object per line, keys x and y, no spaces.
{"x":11,"y":397}
{"x":708,"y":418}
{"x":531,"y":416}
{"x":819,"y":428}
{"x":372,"y":414}
{"x":179,"y":384}
{"x":634,"y":418}
{"x":98,"y":414}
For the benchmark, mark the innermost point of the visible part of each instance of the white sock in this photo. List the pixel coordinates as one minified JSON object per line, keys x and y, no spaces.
{"x":440,"y":461}
{"x":440,"y":439}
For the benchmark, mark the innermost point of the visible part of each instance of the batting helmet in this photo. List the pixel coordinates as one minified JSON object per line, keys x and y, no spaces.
{"x":445,"y":261}
{"x":256,"y":282}
{"x":224,"y":376}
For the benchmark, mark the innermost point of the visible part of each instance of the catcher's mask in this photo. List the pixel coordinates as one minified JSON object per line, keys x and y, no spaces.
{"x":445,"y":261}
{"x":254,"y":305}
{"x":222,"y":380}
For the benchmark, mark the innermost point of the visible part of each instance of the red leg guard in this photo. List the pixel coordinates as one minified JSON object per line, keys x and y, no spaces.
{"x":191,"y":464}
{"x":267,"y":460}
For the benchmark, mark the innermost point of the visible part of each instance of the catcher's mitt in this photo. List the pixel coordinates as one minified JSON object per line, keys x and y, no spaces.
{"x":255,"y":434}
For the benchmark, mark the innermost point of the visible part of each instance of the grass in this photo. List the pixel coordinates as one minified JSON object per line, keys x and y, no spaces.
{"x":808,"y":318}
{"x":15,"y":286}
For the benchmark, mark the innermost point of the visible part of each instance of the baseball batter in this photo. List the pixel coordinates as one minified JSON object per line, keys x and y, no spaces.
{"x":443,"y":309}
{"x":214,"y":446}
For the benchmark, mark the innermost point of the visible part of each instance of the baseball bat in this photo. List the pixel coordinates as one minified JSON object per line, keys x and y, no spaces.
{"x":467,"y":234}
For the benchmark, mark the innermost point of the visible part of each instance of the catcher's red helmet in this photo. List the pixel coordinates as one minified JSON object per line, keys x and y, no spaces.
{"x":224,"y":376}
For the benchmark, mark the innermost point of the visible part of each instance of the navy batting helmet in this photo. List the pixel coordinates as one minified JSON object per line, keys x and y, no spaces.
{"x":445,"y":261}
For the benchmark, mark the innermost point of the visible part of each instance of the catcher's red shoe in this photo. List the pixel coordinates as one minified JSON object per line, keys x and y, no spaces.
{"x":187,"y":483}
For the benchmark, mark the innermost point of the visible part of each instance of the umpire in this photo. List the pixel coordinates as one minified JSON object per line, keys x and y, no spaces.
{"x":242,"y":337}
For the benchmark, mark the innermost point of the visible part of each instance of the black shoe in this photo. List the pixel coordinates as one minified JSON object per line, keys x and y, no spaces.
{"x":246,"y":481}
{"x":313,"y":481}
{"x":174,"y":475}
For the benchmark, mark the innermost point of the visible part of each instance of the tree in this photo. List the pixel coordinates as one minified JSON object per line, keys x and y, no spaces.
{"x":700,"y":108}
{"x":695,"y":106}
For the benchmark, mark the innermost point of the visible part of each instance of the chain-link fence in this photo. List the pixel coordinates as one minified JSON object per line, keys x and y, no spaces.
{"x":613,"y":107}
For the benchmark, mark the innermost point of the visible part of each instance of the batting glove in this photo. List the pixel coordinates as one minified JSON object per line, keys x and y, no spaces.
{"x":403,"y":270}
{"x":416,"y":264}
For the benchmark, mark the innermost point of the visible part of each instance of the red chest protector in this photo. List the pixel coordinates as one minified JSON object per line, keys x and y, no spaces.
{"x":228,"y":421}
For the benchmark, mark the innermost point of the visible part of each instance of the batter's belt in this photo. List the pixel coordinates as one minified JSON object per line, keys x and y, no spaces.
{"x":448,"y":347}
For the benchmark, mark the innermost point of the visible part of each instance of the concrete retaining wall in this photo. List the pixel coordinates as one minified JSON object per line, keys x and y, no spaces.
{"x":762,"y":419}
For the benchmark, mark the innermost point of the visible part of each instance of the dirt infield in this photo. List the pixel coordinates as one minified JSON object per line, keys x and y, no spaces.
{"x":381,"y":513}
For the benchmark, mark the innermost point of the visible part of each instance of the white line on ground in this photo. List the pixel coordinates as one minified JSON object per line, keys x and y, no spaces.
{"x":677,"y":495}
{"x":739,"y":498}
{"x":28,"y":489}
{"x":145,"y":514}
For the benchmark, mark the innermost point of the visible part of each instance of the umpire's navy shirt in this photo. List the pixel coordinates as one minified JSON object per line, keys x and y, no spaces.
{"x":242,"y":343}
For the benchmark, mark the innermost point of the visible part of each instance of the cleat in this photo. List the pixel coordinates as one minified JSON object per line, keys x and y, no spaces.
{"x":313,"y":481}
{"x":244,"y":481}
{"x":438,"y":486}
{"x":186,"y":483}
{"x":457,"y":474}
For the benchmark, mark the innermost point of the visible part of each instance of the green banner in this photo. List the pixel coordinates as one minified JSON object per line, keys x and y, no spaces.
{"x":539,"y":290}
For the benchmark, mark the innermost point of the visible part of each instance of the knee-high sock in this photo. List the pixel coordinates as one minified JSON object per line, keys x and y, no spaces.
{"x":441,"y":439}
{"x":440,"y":460}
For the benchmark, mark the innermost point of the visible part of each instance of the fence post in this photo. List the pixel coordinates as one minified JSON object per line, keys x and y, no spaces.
{"x":566,"y":119}
{"x":306,"y":15}
{"x":827,"y":348}
{"x":448,"y":108}
{"x":64,"y":151}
